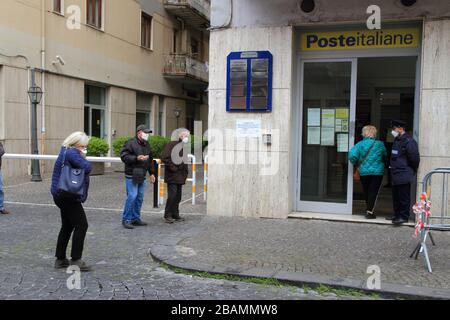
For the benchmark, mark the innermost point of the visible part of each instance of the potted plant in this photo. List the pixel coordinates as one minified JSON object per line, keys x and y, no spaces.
{"x":97,"y":148}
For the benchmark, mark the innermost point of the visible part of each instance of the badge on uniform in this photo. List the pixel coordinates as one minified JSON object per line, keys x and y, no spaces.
{"x":394,"y":151}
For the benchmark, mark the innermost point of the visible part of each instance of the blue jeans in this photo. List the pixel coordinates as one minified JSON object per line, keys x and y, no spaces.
{"x":2,"y":195}
{"x":133,"y":203}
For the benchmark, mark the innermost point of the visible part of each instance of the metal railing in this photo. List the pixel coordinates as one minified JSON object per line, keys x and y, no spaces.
{"x":184,"y":65}
{"x":160,"y":179}
{"x":427,"y":219}
{"x":201,"y":6}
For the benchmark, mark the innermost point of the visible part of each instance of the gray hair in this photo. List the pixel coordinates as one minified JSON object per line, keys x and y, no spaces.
{"x":178,"y":132}
{"x":77,"y":138}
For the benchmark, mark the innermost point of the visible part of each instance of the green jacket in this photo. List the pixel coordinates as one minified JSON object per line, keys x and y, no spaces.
{"x":374,"y":164}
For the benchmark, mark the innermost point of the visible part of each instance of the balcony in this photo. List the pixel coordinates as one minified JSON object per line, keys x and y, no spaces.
{"x":187,"y":70}
{"x":195,"y":12}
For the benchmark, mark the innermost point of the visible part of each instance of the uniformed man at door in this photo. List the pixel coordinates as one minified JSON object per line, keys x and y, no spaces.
{"x":403,"y":165}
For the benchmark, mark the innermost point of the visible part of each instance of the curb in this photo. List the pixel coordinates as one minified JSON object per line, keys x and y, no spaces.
{"x":170,"y":254}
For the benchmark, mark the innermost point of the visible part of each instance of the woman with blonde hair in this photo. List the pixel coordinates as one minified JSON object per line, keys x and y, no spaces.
{"x":369,"y":156}
{"x":73,"y":153}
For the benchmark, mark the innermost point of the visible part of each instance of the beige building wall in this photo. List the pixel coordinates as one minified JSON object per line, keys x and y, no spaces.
{"x":434,"y":141}
{"x":252,"y":192}
{"x":111,"y":57}
{"x":171,"y":121}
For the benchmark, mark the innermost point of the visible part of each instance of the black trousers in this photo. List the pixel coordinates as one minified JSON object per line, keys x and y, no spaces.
{"x":74,"y":221}
{"x":371,"y":186}
{"x":173,"y":201}
{"x":401,"y":195}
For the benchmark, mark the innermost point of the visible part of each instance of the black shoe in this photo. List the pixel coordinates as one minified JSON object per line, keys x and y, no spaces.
{"x":179,"y":219}
{"x":62,"y":263}
{"x":81,"y":264}
{"x":127,"y":225}
{"x":370,"y":215}
{"x":5,"y":212}
{"x":139,"y":223}
{"x":399,"y":221}
{"x":169,"y":220}
{"x":390,"y":218}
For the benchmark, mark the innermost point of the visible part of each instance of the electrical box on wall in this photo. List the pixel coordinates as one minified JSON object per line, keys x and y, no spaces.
{"x":249,"y":81}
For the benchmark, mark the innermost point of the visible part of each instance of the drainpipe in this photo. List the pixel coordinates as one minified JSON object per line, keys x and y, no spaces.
{"x":43,"y":129}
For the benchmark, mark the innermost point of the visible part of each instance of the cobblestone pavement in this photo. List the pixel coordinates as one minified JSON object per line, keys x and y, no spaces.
{"x":122,"y":265}
{"x":333,"y":249}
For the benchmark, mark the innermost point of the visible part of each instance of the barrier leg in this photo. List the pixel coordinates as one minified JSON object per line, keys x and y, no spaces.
{"x":432,"y":240}
{"x":194,"y":170}
{"x":427,"y":259}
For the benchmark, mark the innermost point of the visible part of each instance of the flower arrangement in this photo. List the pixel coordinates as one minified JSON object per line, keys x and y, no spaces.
{"x":422,"y":209}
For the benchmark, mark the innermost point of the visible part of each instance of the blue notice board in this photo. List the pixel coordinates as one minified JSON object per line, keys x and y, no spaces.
{"x":249,"y":81}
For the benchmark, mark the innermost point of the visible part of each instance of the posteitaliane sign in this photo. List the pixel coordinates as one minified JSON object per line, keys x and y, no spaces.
{"x":360,"y":39}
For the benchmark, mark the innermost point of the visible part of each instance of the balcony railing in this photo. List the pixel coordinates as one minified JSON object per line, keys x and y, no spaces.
{"x":195,"y":12}
{"x":181,"y":65}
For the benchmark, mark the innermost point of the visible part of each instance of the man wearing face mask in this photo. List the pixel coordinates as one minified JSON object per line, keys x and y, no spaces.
{"x":137,"y":156}
{"x":175,"y":175}
{"x":404,"y":163}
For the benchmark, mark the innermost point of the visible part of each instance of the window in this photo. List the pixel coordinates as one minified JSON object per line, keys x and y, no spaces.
{"x":94,"y":111}
{"x":58,"y":6}
{"x":195,"y":48}
{"x":146,"y":31}
{"x":94,"y":13}
{"x":144,"y":104}
{"x":249,"y":81}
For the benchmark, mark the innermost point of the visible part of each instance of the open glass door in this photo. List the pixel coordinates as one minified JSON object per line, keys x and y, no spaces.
{"x":328,"y":100}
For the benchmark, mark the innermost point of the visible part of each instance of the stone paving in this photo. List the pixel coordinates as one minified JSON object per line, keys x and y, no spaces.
{"x":321,"y":248}
{"x":123,"y":267}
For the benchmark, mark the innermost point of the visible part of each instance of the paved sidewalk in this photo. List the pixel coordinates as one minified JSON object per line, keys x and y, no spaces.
{"x":301,"y":251}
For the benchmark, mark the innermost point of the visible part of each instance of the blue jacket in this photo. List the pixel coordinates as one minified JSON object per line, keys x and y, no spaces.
{"x":405,"y":159}
{"x":374,"y":164}
{"x":77,"y":161}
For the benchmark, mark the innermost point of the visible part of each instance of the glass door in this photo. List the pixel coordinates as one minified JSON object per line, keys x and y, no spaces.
{"x":328,"y":98}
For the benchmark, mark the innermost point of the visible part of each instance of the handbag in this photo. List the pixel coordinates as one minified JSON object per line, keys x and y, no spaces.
{"x":71,"y":179}
{"x":356,"y":174}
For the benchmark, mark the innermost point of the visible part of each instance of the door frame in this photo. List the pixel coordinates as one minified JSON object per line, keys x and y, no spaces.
{"x":325,"y":207}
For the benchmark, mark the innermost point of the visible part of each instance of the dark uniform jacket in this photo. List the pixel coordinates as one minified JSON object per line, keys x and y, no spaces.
{"x":405,"y":159}
{"x":174,"y":173}
{"x":129,"y":154}
{"x":2,"y":152}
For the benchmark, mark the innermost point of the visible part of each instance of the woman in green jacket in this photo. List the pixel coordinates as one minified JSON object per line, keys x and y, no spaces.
{"x":368,"y":155}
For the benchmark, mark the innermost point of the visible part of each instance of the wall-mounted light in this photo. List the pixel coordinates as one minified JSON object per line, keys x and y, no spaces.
{"x":408,"y":3}
{"x":307,"y":6}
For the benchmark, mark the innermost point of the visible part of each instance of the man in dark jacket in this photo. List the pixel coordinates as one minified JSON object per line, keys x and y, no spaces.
{"x":175,"y":175}
{"x":403,"y":166}
{"x":137,"y":156}
{"x":2,"y":195}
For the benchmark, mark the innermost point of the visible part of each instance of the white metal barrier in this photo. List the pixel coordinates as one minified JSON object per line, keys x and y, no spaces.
{"x":161,"y":187}
{"x":205,"y":179}
{"x":161,"y":184}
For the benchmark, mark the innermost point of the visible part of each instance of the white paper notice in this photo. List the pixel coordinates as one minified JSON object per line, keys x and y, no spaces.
{"x":328,"y":118}
{"x":327,"y":136}
{"x":248,"y":128}
{"x":342,"y":142}
{"x":314,"y":135}
{"x":314,"y":117}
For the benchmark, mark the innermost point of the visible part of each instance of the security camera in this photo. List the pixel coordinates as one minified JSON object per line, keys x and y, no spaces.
{"x":61,"y":60}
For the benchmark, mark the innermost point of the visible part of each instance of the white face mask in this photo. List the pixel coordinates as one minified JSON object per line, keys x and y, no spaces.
{"x":395,"y":133}
{"x":185,"y":140}
{"x":84,"y":152}
{"x":145,"y":136}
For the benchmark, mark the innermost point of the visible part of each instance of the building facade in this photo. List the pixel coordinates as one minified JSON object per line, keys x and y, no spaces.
{"x":104,"y":66}
{"x":331,"y":76}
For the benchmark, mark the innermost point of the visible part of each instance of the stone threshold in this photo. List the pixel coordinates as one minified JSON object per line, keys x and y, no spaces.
{"x":342,"y":218}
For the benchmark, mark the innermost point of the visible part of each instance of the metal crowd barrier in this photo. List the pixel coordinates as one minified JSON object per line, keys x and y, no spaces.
{"x":427,"y":221}
{"x":161,"y":184}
